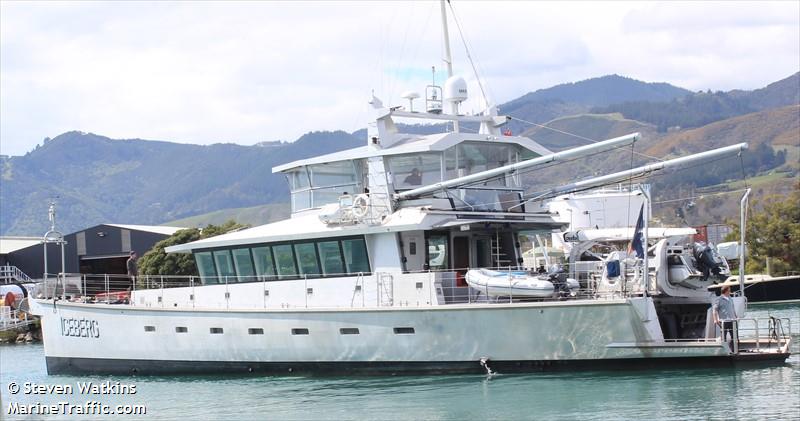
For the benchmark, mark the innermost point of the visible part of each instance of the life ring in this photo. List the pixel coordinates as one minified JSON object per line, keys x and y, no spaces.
{"x":360,"y":206}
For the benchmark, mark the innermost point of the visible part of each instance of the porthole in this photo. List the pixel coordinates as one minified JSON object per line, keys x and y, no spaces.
{"x":404,"y":331}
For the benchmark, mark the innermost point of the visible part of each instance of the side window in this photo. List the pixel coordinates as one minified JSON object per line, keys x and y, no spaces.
{"x":265,"y":267}
{"x":331,"y":258}
{"x":243,"y":264}
{"x":355,"y":255}
{"x":222,"y":258}
{"x":205,"y":266}
{"x":284,"y":261}
{"x":307,"y":258}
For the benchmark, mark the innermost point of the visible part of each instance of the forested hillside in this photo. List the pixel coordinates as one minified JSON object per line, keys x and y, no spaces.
{"x":699,"y":109}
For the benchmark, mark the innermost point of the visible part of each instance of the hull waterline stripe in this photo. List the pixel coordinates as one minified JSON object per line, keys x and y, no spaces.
{"x":66,"y":365}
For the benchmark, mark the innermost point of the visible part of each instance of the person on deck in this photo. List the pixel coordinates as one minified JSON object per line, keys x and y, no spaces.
{"x":725,"y":314}
{"x":133,"y":270}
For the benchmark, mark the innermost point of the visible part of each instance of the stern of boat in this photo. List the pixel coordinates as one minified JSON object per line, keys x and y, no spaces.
{"x":762,"y":339}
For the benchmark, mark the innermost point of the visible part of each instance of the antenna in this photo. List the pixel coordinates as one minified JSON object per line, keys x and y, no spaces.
{"x":433,"y":95}
{"x":51,"y":213}
{"x":410,"y":96}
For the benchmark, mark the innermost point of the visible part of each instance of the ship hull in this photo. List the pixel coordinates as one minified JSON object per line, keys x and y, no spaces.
{"x":124,"y":339}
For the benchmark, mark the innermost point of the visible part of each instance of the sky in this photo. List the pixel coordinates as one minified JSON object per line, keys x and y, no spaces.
{"x":245,"y":72}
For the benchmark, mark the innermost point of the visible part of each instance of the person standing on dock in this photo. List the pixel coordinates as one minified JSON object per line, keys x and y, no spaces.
{"x":725,"y":314}
{"x":133,"y":269}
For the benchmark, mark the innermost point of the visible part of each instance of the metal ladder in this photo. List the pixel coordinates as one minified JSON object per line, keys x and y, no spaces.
{"x":499,"y":257}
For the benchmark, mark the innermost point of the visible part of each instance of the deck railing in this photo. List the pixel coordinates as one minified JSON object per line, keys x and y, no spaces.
{"x":770,"y":332}
{"x":10,"y":274}
{"x":446,"y":286}
{"x":13,"y":319}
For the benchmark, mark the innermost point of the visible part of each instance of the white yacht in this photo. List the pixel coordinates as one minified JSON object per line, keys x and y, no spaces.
{"x":369,"y":275}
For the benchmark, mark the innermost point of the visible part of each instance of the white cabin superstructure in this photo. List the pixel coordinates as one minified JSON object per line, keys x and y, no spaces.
{"x":369,"y":274}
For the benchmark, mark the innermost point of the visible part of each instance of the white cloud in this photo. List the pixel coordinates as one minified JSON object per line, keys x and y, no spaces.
{"x":205,"y":72}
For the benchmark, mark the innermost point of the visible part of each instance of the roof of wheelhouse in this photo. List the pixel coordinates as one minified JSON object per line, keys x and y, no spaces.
{"x":308,"y":226}
{"x":411,"y":143}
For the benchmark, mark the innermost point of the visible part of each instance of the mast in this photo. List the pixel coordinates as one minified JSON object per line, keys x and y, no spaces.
{"x":448,"y":60}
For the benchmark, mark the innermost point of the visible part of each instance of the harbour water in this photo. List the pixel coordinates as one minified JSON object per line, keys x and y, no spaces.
{"x":699,"y":393}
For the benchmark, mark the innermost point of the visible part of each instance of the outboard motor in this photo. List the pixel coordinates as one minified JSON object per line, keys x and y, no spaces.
{"x":558,"y":277}
{"x":708,"y":260}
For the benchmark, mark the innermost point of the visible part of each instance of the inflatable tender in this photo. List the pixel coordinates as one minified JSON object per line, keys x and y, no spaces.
{"x":509,"y":283}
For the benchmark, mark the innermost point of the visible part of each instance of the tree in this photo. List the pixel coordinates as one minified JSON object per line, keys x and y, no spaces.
{"x":158,"y":262}
{"x":773,"y":232}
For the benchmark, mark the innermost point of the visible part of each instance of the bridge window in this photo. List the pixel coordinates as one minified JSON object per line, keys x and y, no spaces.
{"x":339,"y":173}
{"x":417,"y":170}
{"x":316,"y":185}
{"x":472,"y":157}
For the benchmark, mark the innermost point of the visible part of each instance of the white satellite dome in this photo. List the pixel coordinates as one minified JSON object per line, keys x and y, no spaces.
{"x":410,"y":96}
{"x":455,"y":89}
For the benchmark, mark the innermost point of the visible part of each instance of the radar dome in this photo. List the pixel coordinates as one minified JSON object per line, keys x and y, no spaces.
{"x":455,"y":89}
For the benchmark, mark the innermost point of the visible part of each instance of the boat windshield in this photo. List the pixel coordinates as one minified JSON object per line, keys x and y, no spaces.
{"x":315,"y":185}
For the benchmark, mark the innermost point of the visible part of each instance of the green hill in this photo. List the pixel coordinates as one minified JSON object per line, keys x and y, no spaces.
{"x":256,"y":215}
{"x":102,"y":180}
{"x":588,"y":126}
{"x":770,"y":164}
{"x":699,"y":109}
